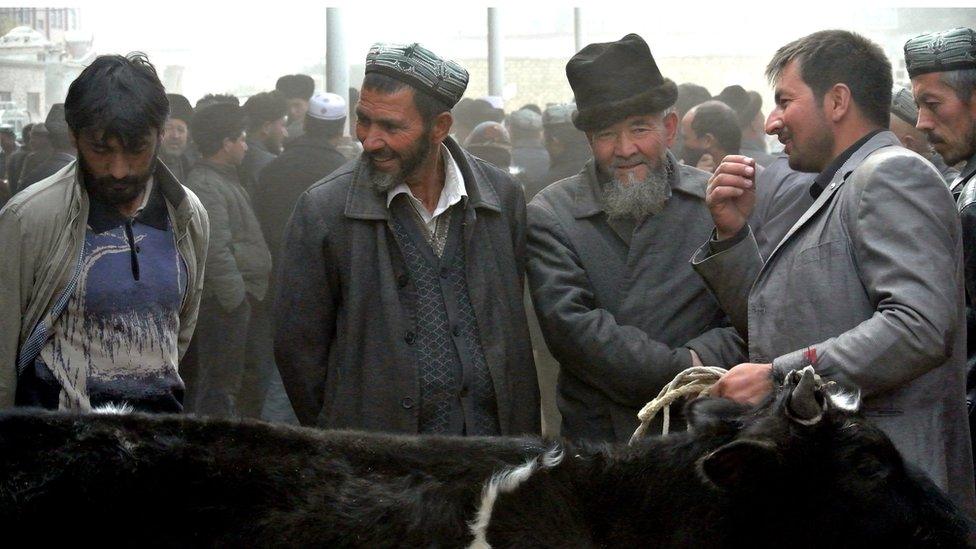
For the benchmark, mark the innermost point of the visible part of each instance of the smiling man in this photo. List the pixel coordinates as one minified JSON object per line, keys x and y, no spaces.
{"x":609,"y":247}
{"x":399,"y":303}
{"x":867,"y":285}
{"x":103,"y":261}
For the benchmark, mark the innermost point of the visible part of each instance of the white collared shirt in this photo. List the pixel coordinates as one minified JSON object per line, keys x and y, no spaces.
{"x":451,"y":194}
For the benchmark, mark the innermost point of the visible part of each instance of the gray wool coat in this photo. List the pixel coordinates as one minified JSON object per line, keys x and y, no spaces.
{"x":871,"y":278}
{"x":342,"y":336}
{"x":616,"y":303}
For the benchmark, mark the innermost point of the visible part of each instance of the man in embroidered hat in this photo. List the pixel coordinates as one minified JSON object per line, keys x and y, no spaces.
{"x":608,"y":247}
{"x":400,"y":292}
{"x":904,"y":115}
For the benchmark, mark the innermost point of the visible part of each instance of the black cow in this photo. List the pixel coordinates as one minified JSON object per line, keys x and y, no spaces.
{"x":800,"y":471}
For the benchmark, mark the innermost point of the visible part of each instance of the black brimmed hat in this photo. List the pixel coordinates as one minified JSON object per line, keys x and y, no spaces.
{"x":616,"y":80}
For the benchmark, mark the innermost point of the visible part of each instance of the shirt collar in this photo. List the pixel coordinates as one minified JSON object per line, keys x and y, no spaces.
{"x":152,"y":211}
{"x":821,"y":181}
{"x":451,"y":194}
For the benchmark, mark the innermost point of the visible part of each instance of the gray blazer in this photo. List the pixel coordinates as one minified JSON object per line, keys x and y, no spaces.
{"x":871,"y":278}
{"x":616,"y":302}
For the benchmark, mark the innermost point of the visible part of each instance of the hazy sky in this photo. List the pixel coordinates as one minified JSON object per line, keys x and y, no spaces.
{"x":233,"y":46}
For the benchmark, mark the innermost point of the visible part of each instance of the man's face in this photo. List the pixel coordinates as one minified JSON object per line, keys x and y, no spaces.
{"x":692,"y":146}
{"x":175,"y":137}
{"x":115,"y":174}
{"x":277,"y":133}
{"x":394,"y":138}
{"x":8,"y":142}
{"x":297,"y":109}
{"x":632,"y":149}
{"x":236,"y":149}
{"x":798,"y":120}
{"x":948,"y":122}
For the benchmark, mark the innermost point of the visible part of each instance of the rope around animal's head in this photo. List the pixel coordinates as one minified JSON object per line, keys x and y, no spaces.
{"x":695,"y":381}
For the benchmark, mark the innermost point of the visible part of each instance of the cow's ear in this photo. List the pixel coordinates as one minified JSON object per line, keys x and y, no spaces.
{"x":714,"y":415}
{"x":740,"y":464}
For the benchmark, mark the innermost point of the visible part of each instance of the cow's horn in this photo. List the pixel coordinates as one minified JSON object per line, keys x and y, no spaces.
{"x":806,"y":403}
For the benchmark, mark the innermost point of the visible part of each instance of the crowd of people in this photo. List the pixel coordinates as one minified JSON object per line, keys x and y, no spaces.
{"x":251,"y":261}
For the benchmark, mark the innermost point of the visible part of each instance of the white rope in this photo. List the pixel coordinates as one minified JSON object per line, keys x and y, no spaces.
{"x":696,"y":381}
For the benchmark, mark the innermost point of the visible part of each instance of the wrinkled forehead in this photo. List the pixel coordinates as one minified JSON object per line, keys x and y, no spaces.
{"x":109,"y":138}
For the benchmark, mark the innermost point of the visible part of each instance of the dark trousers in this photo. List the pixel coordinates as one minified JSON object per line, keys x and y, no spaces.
{"x":220,"y":341}
{"x":259,"y":362}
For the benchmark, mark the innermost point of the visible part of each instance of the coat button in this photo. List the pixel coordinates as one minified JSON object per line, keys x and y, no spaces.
{"x":444,"y":272}
{"x":464,"y":392}
{"x":403,"y":280}
{"x":406,"y":402}
{"x":456,"y":331}
{"x":410,"y":337}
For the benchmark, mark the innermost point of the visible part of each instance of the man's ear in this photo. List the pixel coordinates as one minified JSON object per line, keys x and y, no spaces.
{"x":740,"y":464}
{"x":670,"y":128}
{"x":838,"y":102}
{"x":442,"y":126}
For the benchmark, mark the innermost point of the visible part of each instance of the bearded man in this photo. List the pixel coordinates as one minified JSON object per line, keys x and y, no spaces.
{"x":102,"y":273}
{"x":609,"y":247}
{"x":399,"y":304}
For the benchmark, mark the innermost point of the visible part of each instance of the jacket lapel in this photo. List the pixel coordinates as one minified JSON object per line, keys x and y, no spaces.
{"x":883,"y":139}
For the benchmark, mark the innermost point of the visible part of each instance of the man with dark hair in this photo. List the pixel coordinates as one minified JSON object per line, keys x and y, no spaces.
{"x":709,"y":132}
{"x":62,"y":151}
{"x":530,"y":159}
{"x":297,"y":89}
{"x":866,"y":286}
{"x":608,"y":247}
{"x":229,"y":337}
{"x":176,"y":137}
{"x":689,"y":95}
{"x":399,"y":304}
{"x":214,"y":98}
{"x":103,"y":268}
{"x":266,"y":134}
{"x":490,"y":142}
{"x":904,"y":117}
{"x":568,"y":147}
{"x":747,"y":106}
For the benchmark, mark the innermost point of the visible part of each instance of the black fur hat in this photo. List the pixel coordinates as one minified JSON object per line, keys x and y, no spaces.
{"x":615,"y":80}
{"x":179,"y":107}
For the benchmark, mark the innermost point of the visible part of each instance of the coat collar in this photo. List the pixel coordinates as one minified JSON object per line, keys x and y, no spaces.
{"x":879,"y":141}
{"x":362,"y":202}
{"x":588,"y":197}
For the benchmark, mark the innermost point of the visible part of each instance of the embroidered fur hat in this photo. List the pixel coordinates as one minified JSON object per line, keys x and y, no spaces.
{"x":944,"y":51}
{"x":414,"y":64}
{"x":616,"y":80}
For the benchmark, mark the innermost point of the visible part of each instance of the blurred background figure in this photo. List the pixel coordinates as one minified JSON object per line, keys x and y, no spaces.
{"x":266,"y":133}
{"x":689,"y":95}
{"x":297,"y":89}
{"x":568,"y":148}
{"x":61,"y":153}
{"x":530,"y":159}
{"x":490,"y":141}
{"x":748,"y":108}
{"x":709,"y":132}
{"x":175,"y":147}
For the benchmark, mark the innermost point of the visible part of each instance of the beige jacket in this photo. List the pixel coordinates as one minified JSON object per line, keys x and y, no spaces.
{"x":42,"y":231}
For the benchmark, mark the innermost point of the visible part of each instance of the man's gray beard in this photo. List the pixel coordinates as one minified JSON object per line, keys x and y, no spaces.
{"x":380,"y":181}
{"x":638,"y":199}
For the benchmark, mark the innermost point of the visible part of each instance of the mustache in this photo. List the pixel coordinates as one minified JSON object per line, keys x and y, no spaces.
{"x":631,"y":161}
{"x":934,"y":138}
{"x":385,"y":153}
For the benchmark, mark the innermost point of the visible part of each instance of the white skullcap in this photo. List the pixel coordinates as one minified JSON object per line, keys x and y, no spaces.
{"x":327,"y":106}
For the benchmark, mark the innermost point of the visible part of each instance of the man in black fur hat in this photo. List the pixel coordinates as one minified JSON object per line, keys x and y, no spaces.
{"x":176,"y":137}
{"x":297,"y":89}
{"x":608,"y":247}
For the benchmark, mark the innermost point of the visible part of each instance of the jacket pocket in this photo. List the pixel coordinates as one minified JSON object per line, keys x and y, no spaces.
{"x":820,"y":252}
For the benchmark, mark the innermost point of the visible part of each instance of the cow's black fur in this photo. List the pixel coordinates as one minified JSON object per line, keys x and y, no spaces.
{"x":743,"y":478}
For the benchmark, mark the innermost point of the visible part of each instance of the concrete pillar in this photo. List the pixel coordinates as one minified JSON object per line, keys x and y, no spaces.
{"x":336,"y":66}
{"x":496,"y":61}
{"x":578,"y":28}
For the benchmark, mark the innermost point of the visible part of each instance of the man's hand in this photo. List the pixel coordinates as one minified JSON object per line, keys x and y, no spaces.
{"x":748,"y":383}
{"x":731,"y":194}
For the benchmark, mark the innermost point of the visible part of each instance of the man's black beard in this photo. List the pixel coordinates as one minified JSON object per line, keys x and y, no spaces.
{"x":101,"y":188}
{"x":410,"y":163}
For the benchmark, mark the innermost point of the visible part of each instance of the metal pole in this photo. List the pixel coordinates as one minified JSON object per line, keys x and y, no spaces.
{"x":336,"y":67}
{"x":496,"y":62}
{"x":578,"y":28}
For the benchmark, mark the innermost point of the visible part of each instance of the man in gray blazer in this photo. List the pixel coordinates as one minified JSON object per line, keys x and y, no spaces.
{"x":867,"y":285}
